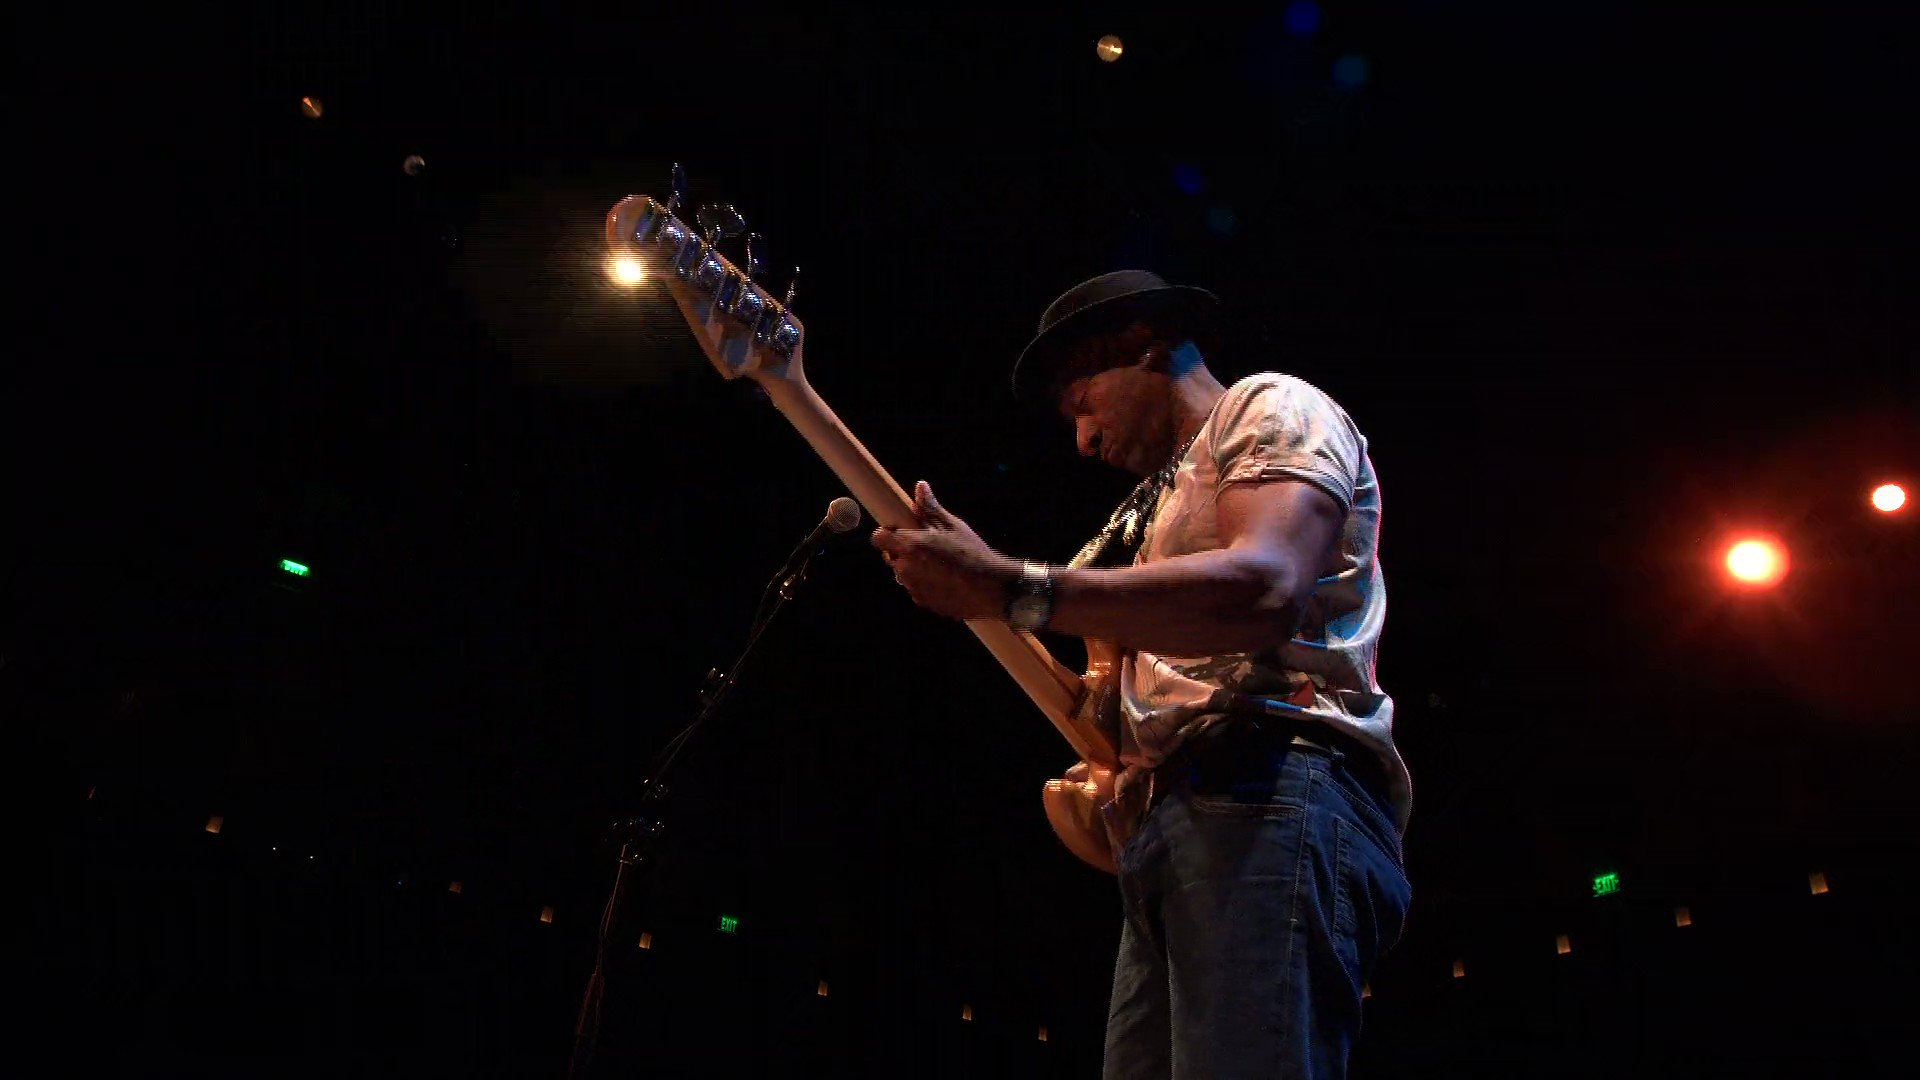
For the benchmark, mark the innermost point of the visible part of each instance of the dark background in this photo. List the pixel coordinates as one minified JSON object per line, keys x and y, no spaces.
{"x":1602,"y":287}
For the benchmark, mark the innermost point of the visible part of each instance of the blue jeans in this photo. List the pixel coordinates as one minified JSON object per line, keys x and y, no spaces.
{"x":1261,"y":886}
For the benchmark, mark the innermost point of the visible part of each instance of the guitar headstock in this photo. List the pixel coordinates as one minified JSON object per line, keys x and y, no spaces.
{"x":741,"y":327}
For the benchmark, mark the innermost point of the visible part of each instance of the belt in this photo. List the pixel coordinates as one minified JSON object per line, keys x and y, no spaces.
{"x":1269,"y":733}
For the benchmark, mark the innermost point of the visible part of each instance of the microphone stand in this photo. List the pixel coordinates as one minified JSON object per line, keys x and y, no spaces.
{"x":641,"y":834}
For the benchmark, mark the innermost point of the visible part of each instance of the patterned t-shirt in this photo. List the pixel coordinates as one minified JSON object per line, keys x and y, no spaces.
{"x":1271,"y":427}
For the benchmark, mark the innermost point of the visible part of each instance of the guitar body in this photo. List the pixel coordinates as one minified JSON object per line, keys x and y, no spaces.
{"x":746,"y":333}
{"x":1073,"y":804}
{"x":1076,"y":803}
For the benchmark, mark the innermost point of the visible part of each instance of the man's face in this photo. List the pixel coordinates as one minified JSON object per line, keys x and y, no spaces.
{"x":1121,"y":413}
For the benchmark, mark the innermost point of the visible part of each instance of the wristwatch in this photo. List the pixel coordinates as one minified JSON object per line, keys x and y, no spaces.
{"x":1030,"y":597}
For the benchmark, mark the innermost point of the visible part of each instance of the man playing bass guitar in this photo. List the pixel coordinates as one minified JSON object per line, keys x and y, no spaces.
{"x":1257,"y":817}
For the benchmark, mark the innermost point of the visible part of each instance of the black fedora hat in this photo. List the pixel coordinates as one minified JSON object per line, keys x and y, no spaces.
{"x":1102,"y":303}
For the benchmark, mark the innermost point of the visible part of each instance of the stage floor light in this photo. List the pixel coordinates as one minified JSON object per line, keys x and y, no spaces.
{"x":1889,"y":497}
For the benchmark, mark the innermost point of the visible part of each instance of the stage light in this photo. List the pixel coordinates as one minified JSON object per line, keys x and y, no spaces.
{"x":1366,"y":990}
{"x":1459,"y":969}
{"x":1889,"y":497}
{"x":626,"y":270}
{"x":413,"y":165}
{"x":454,"y":887}
{"x":1757,"y":561}
{"x":311,"y":107}
{"x":1302,"y":18}
{"x":646,"y":939}
{"x":1562,"y":945}
{"x":214,"y":823}
{"x":546,"y":914}
{"x":966,"y":1013}
{"x":1682,"y":916}
{"x":821,"y":991}
{"x":1043,"y":1033}
{"x":1109,"y":48}
{"x":1817,"y":883}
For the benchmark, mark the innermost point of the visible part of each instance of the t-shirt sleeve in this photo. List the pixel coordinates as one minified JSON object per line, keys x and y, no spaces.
{"x":1284,"y":429}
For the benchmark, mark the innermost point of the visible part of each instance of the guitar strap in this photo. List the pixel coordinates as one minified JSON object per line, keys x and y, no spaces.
{"x":1118,"y":541}
{"x":1118,"y":544}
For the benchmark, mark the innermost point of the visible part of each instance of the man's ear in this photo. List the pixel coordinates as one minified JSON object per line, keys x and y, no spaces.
{"x":1158,"y":358}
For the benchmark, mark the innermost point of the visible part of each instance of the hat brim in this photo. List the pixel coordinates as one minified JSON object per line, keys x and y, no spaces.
{"x":1193,"y":307}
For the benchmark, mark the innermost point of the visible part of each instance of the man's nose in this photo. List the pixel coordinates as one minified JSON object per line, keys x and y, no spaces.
{"x":1086,"y":436}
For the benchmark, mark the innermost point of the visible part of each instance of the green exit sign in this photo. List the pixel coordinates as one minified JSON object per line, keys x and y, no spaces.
{"x":729,"y":924}
{"x":1606,"y":884}
{"x":295,"y":568}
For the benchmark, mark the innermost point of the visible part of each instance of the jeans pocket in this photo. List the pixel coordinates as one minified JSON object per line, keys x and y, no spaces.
{"x":1371,"y":898}
{"x":1230,"y":806}
{"x":1374,"y":818}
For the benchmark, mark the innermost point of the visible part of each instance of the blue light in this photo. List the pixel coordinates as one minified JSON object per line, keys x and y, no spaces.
{"x":1303,"y":18}
{"x":1220,"y":219}
{"x":1352,"y":71}
{"x":1188,"y":179}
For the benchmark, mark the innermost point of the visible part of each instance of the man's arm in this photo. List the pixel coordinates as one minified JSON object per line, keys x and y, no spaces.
{"x":1243,"y":597}
{"x":1246,"y":596}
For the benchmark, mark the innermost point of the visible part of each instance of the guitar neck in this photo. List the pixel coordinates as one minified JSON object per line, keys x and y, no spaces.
{"x":1054,"y":689}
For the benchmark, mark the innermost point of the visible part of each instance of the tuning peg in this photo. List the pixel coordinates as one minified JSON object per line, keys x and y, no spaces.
{"x":679,"y":194}
{"x":756,"y":260}
{"x":718,"y":221}
{"x":792,"y":284}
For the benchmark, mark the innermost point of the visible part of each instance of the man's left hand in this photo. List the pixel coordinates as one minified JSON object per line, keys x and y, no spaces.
{"x":944,"y":565}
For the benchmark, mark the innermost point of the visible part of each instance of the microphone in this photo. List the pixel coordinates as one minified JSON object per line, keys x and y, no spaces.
{"x":843,"y":514}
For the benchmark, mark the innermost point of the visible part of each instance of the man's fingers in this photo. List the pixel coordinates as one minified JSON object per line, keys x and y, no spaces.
{"x":924,"y":504}
{"x":899,"y":541}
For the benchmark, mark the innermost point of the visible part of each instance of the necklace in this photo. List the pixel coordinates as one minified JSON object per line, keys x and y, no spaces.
{"x":1129,"y":519}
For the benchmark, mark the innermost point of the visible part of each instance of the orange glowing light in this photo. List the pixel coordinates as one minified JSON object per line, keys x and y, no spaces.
{"x":1757,"y":561}
{"x":546,"y":914}
{"x":312,"y":107}
{"x":1109,"y":48}
{"x":626,"y":270}
{"x":1889,"y":497}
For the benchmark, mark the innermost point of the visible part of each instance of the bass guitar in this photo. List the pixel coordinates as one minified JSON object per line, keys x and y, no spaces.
{"x":747,"y":333}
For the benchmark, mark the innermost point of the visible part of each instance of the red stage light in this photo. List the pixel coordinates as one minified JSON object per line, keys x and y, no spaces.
{"x":1889,"y":497}
{"x":1757,"y":561}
